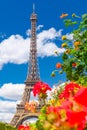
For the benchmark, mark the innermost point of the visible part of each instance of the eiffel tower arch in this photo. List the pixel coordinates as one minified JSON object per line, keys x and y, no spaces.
{"x":33,"y":76}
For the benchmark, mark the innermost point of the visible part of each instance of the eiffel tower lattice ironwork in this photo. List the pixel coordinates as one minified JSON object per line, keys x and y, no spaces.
{"x":32,"y":77}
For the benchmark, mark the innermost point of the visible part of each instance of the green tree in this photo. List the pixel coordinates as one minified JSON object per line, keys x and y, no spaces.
{"x":75,"y":55}
{"x":5,"y":126}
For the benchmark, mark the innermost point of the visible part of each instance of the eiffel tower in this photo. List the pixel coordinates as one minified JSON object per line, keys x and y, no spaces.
{"x":32,"y":77}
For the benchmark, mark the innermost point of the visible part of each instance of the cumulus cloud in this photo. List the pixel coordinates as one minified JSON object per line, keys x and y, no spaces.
{"x":7,"y":106}
{"x":15,"y":49}
{"x":69,"y":36}
{"x":7,"y":110}
{"x":28,"y":32}
{"x":50,"y":34}
{"x":45,"y":44}
{"x":12,"y":91}
{"x":48,"y":49}
{"x":39,"y":27}
{"x":6,"y":117}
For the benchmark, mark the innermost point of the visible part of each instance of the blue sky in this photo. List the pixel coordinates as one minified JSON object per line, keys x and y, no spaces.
{"x":15,"y":39}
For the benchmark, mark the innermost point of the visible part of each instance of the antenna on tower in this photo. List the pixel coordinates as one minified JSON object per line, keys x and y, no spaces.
{"x":33,"y":7}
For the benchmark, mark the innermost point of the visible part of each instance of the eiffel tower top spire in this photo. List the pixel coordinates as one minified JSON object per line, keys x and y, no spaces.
{"x":33,"y":7}
{"x":33,"y":69}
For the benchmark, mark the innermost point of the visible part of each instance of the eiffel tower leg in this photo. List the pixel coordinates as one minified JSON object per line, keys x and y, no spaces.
{"x":19,"y":113}
{"x":21,"y":107}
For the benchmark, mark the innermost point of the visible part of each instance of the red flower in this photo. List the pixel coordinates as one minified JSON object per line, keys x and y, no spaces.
{"x":64,"y":94}
{"x":74,"y":64}
{"x":66,"y":104}
{"x":27,"y":128}
{"x":53,"y":109}
{"x":69,"y":90}
{"x":58,"y":65}
{"x":76,"y":118}
{"x":71,"y":86}
{"x":81,"y":96}
{"x":40,"y":87}
{"x":22,"y":127}
{"x":81,"y":126}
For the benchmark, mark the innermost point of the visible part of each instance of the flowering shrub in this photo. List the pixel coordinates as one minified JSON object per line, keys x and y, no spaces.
{"x":66,"y":111}
{"x":75,"y":55}
{"x":69,"y":112}
{"x":31,"y":106}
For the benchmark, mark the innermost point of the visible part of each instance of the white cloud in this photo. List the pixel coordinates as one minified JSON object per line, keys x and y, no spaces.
{"x":48,"y":49}
{"x":45,"y":44}
{"x":28,"y":32}
{"x":15,"y":49}
{"x":7,"y":106}
{"x":50,"y":34}
{"x":69,"y":36}
{"x":39,"y":27}
{"x":6,"y":117}
{"x":7,"y":110}
{"x":12,"y":91}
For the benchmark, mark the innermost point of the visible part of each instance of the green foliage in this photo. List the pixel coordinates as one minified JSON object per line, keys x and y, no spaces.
{"x":4,"y":126}
{"x":69,"y":22}
{"x":78,"y":51}
{"x":33,"y":126}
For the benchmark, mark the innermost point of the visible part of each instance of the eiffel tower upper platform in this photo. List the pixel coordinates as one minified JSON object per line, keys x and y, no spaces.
{"x":33,"y":76}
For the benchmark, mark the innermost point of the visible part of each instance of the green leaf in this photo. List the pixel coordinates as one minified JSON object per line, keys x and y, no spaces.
{"x":84,"y":16}
{"x":64,"y":56}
